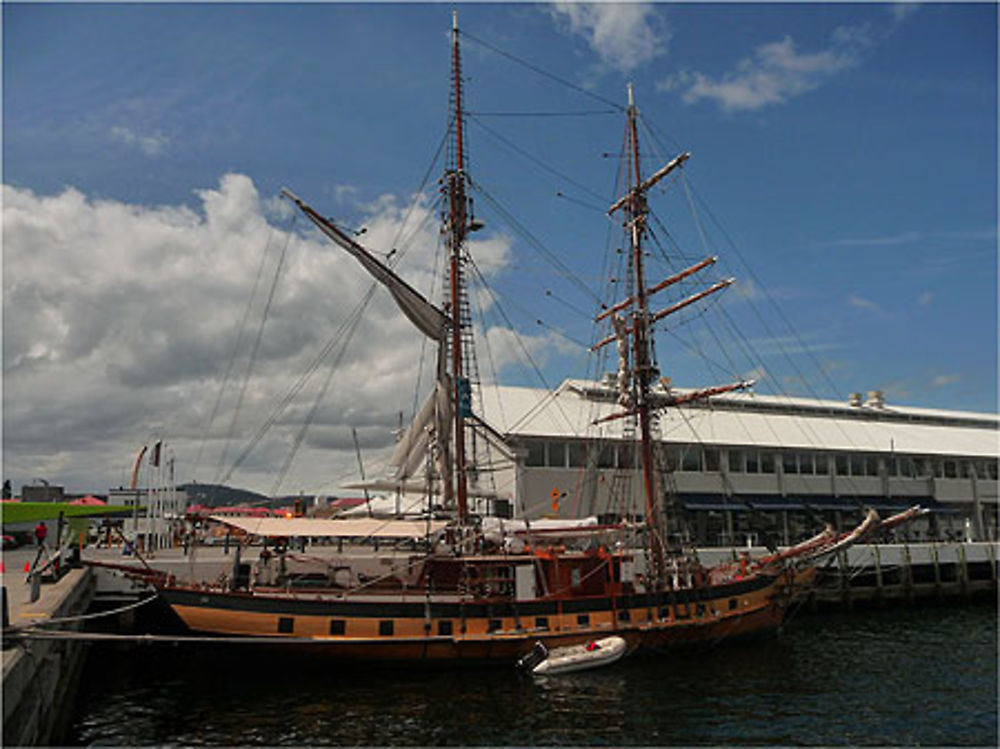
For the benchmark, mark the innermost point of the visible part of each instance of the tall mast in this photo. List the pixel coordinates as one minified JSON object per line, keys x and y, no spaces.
{"x":636,"y":212}
{"x":456,"y":229}
{"x":636,"y":382}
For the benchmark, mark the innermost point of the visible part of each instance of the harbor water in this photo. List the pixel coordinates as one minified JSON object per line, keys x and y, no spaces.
{"x":925,"y":675}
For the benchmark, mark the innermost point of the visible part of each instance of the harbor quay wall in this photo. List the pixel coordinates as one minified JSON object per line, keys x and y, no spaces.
{"x":41,"y":676}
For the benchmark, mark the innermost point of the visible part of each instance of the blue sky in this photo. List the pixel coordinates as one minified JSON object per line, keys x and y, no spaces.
{"x":849,"y":153}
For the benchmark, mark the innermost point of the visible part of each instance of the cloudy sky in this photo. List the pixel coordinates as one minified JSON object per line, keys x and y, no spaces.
{"x":156,"y":287}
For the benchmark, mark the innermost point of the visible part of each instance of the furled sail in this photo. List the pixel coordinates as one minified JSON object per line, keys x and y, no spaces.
{"x":410,"y":455}
{"x":430,"y":320}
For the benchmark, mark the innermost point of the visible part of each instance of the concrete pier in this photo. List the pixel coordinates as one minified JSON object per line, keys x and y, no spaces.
{"x":40,"y":676}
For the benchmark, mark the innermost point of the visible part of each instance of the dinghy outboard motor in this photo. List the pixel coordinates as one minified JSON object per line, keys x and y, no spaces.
{"x":538,"y":654}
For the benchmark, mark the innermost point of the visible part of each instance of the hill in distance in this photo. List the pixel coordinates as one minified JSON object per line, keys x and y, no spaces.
{"x":220,"y":495}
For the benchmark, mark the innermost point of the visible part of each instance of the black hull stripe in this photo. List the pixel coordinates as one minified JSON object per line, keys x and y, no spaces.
{"x":264,"y":604}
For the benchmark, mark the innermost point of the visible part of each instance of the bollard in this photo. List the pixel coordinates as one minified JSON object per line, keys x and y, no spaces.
{"x":36,"y":586}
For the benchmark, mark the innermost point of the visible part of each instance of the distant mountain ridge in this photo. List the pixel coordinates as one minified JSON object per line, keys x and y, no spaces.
{"x":220,"y":495}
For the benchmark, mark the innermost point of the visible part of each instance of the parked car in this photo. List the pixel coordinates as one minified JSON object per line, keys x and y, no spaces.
{"x":9,"y":542}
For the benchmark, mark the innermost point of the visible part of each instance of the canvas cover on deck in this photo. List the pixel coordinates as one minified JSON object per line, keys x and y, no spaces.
{"x":317,"y":527}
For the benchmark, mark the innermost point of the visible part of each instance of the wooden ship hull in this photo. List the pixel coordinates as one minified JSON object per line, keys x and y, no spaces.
{"x":414,"y":627}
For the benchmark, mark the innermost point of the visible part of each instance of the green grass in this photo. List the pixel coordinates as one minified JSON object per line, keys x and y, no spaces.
{"x":30,"y":512}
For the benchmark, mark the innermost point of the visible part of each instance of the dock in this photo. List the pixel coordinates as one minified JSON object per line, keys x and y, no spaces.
{"x":40,"y":677}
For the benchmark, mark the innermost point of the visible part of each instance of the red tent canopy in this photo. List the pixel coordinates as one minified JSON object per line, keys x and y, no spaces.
{"x":89,"y":500}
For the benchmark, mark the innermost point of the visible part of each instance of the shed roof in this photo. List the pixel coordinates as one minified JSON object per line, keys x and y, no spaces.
{"x":749,"y":419}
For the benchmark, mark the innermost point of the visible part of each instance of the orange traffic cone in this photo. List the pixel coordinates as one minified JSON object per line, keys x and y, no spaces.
{"x":27,"y":566}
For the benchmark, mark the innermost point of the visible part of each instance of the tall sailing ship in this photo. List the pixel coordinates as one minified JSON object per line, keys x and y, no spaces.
{"x":472,"y":595}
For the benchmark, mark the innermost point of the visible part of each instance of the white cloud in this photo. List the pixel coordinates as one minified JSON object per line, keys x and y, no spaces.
{"x":777,"y":72}
{"x":942,"y":380}
{"x":151,"y":145}
{"x":625,"y":35}
{"x":861,"y":303}
{"x":119,"y":321}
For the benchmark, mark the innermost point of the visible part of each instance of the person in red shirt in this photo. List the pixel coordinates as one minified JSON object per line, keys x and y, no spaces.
{"x":41,"y":531}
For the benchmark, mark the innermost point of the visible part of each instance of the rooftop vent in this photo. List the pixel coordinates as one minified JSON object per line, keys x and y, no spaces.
{"x":854,"y":399}
{"x":876,"y":399}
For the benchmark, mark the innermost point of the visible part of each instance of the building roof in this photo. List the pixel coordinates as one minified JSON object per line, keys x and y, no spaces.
{"x":749,"y":419}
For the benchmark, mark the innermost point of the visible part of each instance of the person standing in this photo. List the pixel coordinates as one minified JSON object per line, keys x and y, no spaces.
{"x":41,"y":531}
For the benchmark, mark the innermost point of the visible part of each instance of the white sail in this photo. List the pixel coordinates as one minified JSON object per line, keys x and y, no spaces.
{"x":411,"y":450}
{"x":430,"y":320}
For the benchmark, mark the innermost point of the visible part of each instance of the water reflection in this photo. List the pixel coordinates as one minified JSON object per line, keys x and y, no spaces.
{"x":901,"y":677}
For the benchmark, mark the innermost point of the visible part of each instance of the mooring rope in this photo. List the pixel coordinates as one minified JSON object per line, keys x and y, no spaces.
{"x":83,"y":617}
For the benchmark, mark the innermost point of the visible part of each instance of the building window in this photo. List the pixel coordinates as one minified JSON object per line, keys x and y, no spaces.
{"x":606,"y":456}
{"x":385,"y":628}
{"x":624,"y":615}
{"x":577,"y":454}
{"x":536,"y":453}
{"x":737,"y":461}
{"x":574,"y":577}
{"x":921,"y":468}
{"x":286,"y":624}
{"x":541,"y":622}
{"x":337,"y":627}
{"x":841,"y":465}
{"x":626,"y":456}
{"x":789,"y":463}
{"x":557,"y":454}
{"x":711,"y":460}
{"x":753,"y":464}
{"x":494,"y":624}
{"x":691,"y":459}
{"x":950,"y":469}
{"x":808,"y":462}
{"x":444,"y":628}
{"x":767,"y":462}
{"x":583,"y":620}
{"x":822,"y":465}
{"x":871,"y":465}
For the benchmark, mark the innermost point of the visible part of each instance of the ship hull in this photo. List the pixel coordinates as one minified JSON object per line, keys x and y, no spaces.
{"x":418,"y":628}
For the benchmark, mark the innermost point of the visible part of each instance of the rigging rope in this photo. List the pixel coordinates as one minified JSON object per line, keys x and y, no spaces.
{"x":546,"y":253}
{"x":253,"y":353}
{"x":544,"y":73}
{"x":233,"y":353}
{"x":536,"y":161}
